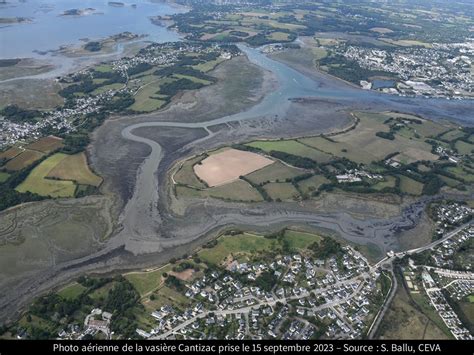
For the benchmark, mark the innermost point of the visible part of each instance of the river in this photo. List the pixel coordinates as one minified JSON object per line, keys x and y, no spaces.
{"x":141,"y":219}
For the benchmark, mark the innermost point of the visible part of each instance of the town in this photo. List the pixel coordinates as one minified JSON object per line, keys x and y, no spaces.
{"x":439,"y":70}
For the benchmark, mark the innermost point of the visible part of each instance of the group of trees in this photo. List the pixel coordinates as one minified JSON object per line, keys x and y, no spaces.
{"x":15,"y":114}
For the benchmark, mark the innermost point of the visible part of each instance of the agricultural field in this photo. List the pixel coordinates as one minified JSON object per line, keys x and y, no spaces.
{"x":10,"y":153}
{"x":389,"y":152}
{"x":236,"y":245}
{"x":23,"y":160}
{"x":292,"y":147}
{"x":281,"y":191}
{"x":59,"y":175}
{"x":238,"y":190}
{"x":273,"y":173}
{"x":75,"y":168}
{"x":37,"y":182}
{"x":224,"y":167}
{"x":46,"y":145}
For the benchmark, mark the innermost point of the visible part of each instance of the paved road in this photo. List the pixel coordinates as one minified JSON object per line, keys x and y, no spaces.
{"x":285,"y":300}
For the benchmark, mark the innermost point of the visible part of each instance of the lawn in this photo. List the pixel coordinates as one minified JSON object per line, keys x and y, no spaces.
{"x":242,"y":243}
{"x":75,"y":168}
{"x":37,"y":183}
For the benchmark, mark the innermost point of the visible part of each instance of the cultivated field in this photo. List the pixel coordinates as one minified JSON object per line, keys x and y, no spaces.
{"x":46,"y":144}
{"x":23,"y":160}
{"x":228,"y":165}
{"x":10,"y":153}
{"x":75,"y":168}
{"x":37,"y":182}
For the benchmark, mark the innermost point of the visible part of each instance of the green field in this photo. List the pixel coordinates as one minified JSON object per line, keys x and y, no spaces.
{"x":36,"y":181}
{"x":237,"y":244}
{"x":238,"y":190}
{"x":186,"y":176}
{"x":147,"y":281}
{"x":312,"y":184}
{"x":464,"y":148}
{"x":4,"y":176}
{"x":75,"y":168}
{"x":300,"y":240}
{"x":281,"y":191}
{"x":292,"y":147}
{"x":72,"y":291}
{"x":410,"y":186}
{"x":273,"y":172}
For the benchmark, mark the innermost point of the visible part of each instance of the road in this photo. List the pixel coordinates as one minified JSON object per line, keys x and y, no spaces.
{"x":284,"y":300}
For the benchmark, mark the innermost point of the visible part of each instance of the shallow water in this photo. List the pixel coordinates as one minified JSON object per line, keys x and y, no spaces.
{"x":49,"y":30}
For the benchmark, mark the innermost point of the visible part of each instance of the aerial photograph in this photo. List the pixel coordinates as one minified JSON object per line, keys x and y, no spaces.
{"x":237,"y":172}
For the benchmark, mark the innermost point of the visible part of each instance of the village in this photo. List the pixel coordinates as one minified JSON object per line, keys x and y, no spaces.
{"x":311,"y":295}
{"x":71,"y":116}
{"x":440,"y":70}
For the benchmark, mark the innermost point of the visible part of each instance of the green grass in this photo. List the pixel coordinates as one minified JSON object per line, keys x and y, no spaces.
{"x":72,"y":291}
{"x":274,"y":172}
{"x":300,"y":240}
{"x":192,"y":78}
{"x":389,"y":181}
{"x":471,"y":298}
{"x":4,"y":176}
{"x":105,"y":88}
{"x":422,"y":301}
{"x":146,"y":281}
{"x":103,"y":68}
{"x":242,"y":243}
{"x":238,"y":190}
{"x":208,"y":65}
{"x":291,"y":147}
{"x":281,"y":190}
{"x":312,"y":184}
{"x":452,"y":135}
{"x":464,"y":148}
{"x":410,"y":186}
{"x":102,"y":292}
{"x":36,"y":182}
{"x":185,"y":174}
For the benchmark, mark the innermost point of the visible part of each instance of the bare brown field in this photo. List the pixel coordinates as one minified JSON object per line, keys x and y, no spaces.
{"x":227,"y":166}
{"x":23,"y":160}
{"x":46,"y":144}
{"x":10,"y":153}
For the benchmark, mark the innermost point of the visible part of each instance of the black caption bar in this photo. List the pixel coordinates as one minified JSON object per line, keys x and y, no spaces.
{"x":222,"y":347}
